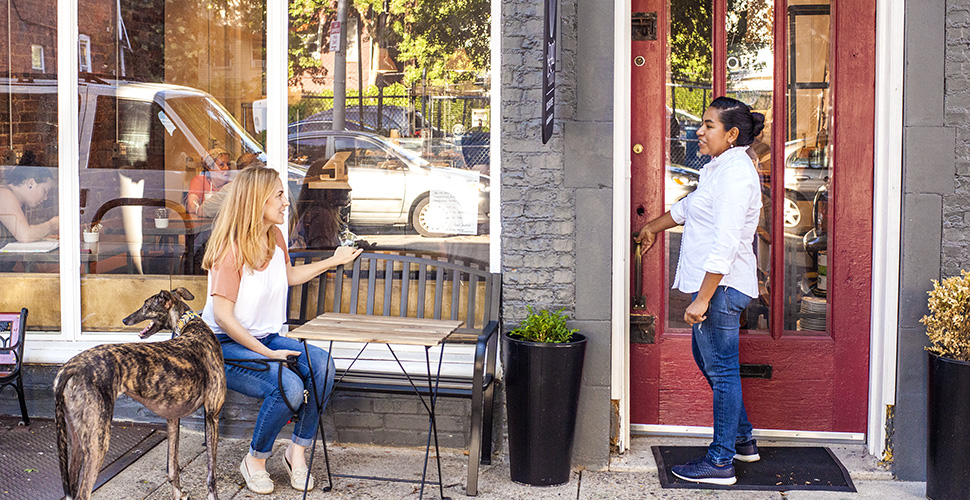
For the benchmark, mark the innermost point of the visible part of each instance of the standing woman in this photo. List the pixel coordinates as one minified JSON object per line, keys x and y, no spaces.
{"x":717,"y":267}
{"x":249,"y":274}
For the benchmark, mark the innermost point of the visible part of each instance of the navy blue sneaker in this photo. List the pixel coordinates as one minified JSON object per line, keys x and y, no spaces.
{"x":703,"y":470}
{"x":747,"y":451}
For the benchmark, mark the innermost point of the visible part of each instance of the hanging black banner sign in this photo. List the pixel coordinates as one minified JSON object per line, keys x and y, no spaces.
{"x":549,"y":67}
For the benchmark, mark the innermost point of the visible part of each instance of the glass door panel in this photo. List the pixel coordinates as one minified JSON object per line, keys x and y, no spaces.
{"x":690,"y":83}
{"x":807,"y":167}
{"x":750,"y":79}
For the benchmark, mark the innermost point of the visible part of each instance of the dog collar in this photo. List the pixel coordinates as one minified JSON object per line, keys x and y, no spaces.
{"x":189,"y":316}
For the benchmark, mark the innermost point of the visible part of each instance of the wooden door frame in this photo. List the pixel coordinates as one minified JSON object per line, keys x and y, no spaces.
{"x":887,"y":50}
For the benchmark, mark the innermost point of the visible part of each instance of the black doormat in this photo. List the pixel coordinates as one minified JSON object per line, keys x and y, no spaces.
{"x":28,"y":456}
{"x":781,"y":468}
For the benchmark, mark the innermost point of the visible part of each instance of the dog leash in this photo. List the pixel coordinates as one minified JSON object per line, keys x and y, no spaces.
{"x":263,"y":365}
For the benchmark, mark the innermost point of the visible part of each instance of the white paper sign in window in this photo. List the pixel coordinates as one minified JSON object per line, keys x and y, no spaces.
{"x":452,"y":212}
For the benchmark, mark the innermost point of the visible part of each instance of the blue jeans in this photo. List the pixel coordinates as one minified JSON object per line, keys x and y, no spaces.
{"x":274,"y":413}
{"x":715,"y":345}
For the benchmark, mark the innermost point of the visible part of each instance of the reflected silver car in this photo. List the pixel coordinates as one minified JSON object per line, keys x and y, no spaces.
{"x":391,"y":185}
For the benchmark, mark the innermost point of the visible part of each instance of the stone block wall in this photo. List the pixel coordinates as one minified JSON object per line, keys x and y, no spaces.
{"x":936,"y":165}
{"x":557,"y":197}
{"x":956,"y":118}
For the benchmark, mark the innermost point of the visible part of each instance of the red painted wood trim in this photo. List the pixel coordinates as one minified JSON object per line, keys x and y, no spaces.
{"x":649,"y":128}
{"x":850,"y":245}
{"x":779,"y":125}
{"x":720,"y":48}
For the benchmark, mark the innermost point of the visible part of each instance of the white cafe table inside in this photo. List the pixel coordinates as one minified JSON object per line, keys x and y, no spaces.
{"x":389,"y":330}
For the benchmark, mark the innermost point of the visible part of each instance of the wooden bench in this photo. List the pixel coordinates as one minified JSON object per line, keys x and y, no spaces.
{"x":381,"y":284}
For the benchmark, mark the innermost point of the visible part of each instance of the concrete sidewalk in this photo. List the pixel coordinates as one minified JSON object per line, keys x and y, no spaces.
{"x":632,"y":475}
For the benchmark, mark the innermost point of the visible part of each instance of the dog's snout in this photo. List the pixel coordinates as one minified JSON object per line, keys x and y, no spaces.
{"x":128,"y":321}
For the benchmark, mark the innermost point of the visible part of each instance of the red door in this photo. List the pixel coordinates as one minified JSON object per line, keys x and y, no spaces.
{"x":809,"y":66}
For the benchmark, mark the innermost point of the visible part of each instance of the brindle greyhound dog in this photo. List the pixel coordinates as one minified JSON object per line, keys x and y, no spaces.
{"x":171,"y":378}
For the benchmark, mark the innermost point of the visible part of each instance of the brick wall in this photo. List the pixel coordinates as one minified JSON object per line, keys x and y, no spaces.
{"x":538,"y":209}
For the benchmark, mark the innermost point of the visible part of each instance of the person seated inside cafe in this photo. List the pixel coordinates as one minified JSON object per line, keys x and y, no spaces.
{"x":214,"y":175}
{"x":24,"y":187}
{"x":210,"y":206}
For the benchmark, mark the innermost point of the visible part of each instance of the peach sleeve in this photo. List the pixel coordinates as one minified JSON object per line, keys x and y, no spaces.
{"x":224,"y":278}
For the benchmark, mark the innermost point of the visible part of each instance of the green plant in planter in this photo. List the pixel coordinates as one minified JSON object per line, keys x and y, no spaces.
{"x":948,"y":324}
{"x":544,"y":326}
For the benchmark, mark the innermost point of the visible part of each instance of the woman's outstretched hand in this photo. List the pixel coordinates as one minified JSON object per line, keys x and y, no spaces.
{"x":345,"y":255}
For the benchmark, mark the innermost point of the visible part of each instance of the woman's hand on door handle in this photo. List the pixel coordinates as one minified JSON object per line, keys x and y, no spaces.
{"x":645,"y":238}
{"x":648,"y":234}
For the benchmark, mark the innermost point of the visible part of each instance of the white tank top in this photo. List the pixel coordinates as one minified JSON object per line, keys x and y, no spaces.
{"x":261,"y":302}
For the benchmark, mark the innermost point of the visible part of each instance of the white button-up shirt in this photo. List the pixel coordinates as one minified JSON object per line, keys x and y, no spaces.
{"x":720,"y":219}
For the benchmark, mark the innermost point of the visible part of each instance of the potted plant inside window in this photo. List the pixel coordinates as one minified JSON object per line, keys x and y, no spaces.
{"x":948,"y":395}
{"x":543,"y":362}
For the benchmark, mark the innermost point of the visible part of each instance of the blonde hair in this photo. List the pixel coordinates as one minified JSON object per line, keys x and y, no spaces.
{"x":239,"y":226}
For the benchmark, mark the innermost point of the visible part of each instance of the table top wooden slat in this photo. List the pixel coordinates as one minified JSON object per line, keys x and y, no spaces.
{"x":376,"y":329}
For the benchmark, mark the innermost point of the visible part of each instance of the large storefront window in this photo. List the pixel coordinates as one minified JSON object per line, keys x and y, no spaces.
{"x":391,"y":124}
{"x":167,"y":89}
{"x":29,"y":257}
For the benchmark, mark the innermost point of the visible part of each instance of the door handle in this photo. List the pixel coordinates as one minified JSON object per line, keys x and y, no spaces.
{"x":639,"y":300}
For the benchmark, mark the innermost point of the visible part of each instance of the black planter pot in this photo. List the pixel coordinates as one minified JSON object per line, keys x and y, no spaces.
{"x":541,"y":396}
{"x":948,"y":429}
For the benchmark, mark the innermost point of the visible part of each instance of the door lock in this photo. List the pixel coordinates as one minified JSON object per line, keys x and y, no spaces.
{"x":637,"y":148}
{"x":639,"y":61}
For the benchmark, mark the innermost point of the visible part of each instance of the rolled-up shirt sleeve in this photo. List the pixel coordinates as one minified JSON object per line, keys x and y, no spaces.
{"x":678,"y":211}
{"x":731,"y":202}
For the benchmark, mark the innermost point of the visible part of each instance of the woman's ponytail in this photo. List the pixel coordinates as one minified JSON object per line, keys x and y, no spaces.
{"x":733,"y":113}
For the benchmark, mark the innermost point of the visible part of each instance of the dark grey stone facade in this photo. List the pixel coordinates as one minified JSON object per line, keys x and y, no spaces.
{"x":935,"y":224}
{"x":557,"y":197}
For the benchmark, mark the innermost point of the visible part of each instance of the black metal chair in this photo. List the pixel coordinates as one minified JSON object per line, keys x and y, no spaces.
{"x":12,"y":326}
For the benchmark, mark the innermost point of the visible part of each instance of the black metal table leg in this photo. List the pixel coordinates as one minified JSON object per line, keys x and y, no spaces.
{"x":320,"y":405}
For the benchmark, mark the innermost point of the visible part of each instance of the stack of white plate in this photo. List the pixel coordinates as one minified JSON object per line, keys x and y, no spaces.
{"x":812,"y":314}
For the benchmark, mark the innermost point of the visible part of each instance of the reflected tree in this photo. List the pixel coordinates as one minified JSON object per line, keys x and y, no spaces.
{"x":448,"y":38}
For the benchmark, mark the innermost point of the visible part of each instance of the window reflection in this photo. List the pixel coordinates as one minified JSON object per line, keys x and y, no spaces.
{"x":29,"y":254}
{"x":807,"y":166}
{"x":750,"y":79}
{"x":415,"y":135}
{"x":689,"y":91}
{"x":163,"y":85}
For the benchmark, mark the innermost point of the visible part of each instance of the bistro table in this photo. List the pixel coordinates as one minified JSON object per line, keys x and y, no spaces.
{"x":89,"y":259}
{"x":189,"y":229}
{"x":388,"y":330}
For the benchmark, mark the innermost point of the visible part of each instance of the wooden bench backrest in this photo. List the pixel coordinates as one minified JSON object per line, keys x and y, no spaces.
{"x":399,"y":285}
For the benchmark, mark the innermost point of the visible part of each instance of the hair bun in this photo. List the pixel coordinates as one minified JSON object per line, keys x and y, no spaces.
{"x":757,"y":122}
